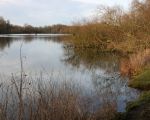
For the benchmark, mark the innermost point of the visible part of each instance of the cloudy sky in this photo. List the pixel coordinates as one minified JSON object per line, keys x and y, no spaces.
{"x":47,"y":12}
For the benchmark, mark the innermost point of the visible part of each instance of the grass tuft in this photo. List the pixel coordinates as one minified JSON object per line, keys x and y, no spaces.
{"x":142,"y":81}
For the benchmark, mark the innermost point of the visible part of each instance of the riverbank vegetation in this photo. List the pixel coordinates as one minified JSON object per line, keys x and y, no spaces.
{"x":125,"y":32}
{"x":137,"y":66}
{"x":135,"y":63}
{"x":116,"y":30}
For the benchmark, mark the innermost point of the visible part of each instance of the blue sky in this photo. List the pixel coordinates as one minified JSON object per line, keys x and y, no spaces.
{"x":48,"y":12}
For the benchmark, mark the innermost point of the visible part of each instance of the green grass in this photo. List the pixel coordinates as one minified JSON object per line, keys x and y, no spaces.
{"x":142,"y":81}
{"x":139,"y":109}
{"x":144,"y":99}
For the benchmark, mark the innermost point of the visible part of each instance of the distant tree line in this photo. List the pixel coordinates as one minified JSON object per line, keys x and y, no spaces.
{"x":7,"y":28}
{"x":4,"y":26}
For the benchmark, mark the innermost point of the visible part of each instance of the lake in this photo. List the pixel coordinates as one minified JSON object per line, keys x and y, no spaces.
{"x":97,"y":73}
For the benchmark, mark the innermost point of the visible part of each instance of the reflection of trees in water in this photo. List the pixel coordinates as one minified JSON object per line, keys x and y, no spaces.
{"x":108,"y":84}
{"x":92,"y":59}
{"x":31,"y":38}
{"x":5,"y":42}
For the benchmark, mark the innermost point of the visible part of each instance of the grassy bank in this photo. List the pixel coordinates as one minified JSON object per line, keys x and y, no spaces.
{"x":140,"y":109}
{"x":140,"y":79}
{"x":143,"y":100}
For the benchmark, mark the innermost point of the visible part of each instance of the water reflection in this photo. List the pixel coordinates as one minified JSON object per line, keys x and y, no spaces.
{"x":5,"y":42}
{"x":96,"y":72}
{"x":92,"y":59}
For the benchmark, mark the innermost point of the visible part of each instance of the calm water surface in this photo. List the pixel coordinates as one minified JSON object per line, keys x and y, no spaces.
{"x":46,"y":55}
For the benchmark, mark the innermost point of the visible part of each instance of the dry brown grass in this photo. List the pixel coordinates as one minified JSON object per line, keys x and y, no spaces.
{"x":135,"y":63}
{"x":52,"y":102}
